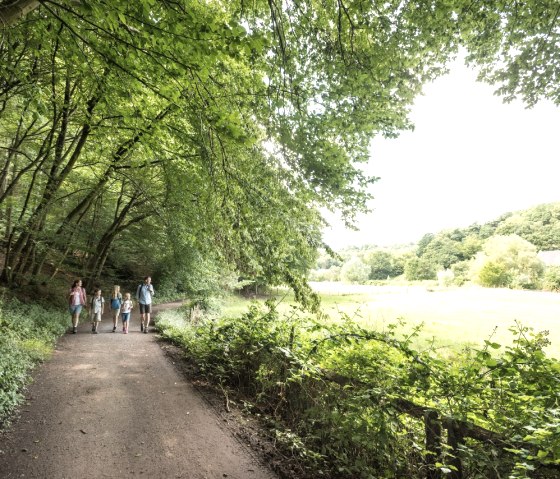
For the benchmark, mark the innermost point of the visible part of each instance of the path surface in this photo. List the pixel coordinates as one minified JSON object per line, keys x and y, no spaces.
{"x":113,"y":406}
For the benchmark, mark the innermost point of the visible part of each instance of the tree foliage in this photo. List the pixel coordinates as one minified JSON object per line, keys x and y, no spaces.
{"x":464,"y":252}
{"x":384,"y":264}
{"x":207,"y":129}
{"x":355,"y":271}
{"x":217,"y":130}
{"x":508,"y":261}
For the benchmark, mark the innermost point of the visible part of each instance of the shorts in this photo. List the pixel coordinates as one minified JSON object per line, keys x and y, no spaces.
{"x":75,"y":309}
{"x":96,"y":316}
{"x":145,"y":308}
{"x":125,"y":317}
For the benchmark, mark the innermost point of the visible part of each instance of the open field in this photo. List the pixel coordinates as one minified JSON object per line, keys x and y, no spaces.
{"x":452,"y":317}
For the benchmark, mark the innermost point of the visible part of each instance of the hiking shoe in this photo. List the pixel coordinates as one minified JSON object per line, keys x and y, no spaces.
{"x":141,"y":327}
{"x":95,"y":331}
{"x":145,"y":330}
{"x":114,"y":328}
{"x":74,"y":330}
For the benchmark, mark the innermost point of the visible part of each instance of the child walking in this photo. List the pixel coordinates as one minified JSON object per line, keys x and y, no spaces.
{"x":126,"y":308}
{"x":97,"y":309}
{"x":116,"y":303}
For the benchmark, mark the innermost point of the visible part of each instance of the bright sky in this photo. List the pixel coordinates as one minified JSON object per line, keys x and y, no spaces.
{"x":470,"y":159}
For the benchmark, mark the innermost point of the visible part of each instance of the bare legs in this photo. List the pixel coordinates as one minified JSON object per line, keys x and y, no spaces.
{"x":115,"y":318}
{"x":146,"y":321}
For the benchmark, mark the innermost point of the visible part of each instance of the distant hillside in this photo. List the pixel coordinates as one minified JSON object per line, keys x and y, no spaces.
{"x":455,"y":250}
{"x":539,"y":225}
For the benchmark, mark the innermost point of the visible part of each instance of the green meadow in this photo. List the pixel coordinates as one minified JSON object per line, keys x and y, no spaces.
{"x":452,"y":317}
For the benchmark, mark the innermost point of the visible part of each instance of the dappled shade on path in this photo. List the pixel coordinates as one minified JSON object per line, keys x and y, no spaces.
{"x":112,"y":405}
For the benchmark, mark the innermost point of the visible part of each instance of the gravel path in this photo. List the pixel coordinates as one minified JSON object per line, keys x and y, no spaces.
{"x":112,"y":405}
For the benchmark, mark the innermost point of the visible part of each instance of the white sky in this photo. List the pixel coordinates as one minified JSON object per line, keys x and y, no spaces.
{"x":470,"y":159}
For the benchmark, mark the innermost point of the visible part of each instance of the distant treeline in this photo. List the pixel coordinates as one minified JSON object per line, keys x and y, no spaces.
{"x":501,"y":253}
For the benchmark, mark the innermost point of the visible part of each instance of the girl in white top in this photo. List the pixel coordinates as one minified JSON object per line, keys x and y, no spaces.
{"x":126,"y":308}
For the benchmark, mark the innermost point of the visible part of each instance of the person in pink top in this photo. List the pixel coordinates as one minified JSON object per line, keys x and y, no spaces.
{"x":76,"y":301}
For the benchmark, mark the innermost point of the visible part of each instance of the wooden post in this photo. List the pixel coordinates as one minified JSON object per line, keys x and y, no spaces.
{"x":433,"y":443}
{"x":455,"y":438}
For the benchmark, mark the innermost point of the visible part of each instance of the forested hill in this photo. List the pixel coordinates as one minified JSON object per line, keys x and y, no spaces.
{"x":504,"y":251}
{"x":539,"y":225}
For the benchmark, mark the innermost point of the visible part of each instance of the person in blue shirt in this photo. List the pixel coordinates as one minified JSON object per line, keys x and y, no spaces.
{"x":144,"y":294}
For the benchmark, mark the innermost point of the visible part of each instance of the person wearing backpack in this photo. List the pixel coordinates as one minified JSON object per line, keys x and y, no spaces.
{"x":144,"y":294}
{"x":116,"y":303}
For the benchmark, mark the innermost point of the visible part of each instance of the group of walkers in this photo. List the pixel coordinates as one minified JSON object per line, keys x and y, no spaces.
{"x":120,"y":306}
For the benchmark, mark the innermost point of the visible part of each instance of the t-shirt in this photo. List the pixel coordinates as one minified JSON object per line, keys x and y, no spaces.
{"x":126,"y":306}
{"x":97,"y":304}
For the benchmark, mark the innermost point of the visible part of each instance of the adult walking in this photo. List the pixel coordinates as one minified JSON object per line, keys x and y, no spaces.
{"x":144,"y":294}
{"x":76,"y":301}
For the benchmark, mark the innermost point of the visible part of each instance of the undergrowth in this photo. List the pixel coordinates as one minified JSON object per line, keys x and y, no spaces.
{"x":334,"y":394}
{"x":27,"y":335}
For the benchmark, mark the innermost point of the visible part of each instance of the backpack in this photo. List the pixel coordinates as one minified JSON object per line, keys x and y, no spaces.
{"x":116,"y":303}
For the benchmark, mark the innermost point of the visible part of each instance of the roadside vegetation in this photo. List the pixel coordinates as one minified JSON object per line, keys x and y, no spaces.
{"x":347,"y":401}
{"x":454,"y":326}
{"x":28,"y":334}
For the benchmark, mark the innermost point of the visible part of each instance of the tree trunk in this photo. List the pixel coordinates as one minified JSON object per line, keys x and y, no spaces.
{"x":119,"y":224}
{"x":58,"y":173}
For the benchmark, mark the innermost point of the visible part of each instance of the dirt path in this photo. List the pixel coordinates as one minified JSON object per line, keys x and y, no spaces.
{"x":112,"y":405}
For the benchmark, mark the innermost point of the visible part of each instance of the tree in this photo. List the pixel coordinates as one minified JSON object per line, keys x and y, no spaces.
{"x":419,"y":269}
{"x":551,"y":280}
{"x":539,"y":225}
{"x":227,"y":125}
{"x":11,"y":10}
{"x":382,"y":265}
{"x":508,"y":261}
{"x":355,"y":271}
{"x":442,"y":252}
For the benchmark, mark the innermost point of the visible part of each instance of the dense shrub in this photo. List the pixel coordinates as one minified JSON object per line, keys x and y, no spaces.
{"x":551,"y":280}
{"x":28,"y":335}
{"x":333,"y":389}
{"x":508,"y":261}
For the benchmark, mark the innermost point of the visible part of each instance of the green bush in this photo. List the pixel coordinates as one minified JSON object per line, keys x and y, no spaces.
{"x":331,"y":391}
{"x":551,"y":280}
{"x":494,"y":275}
{"x":28,"y":335}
